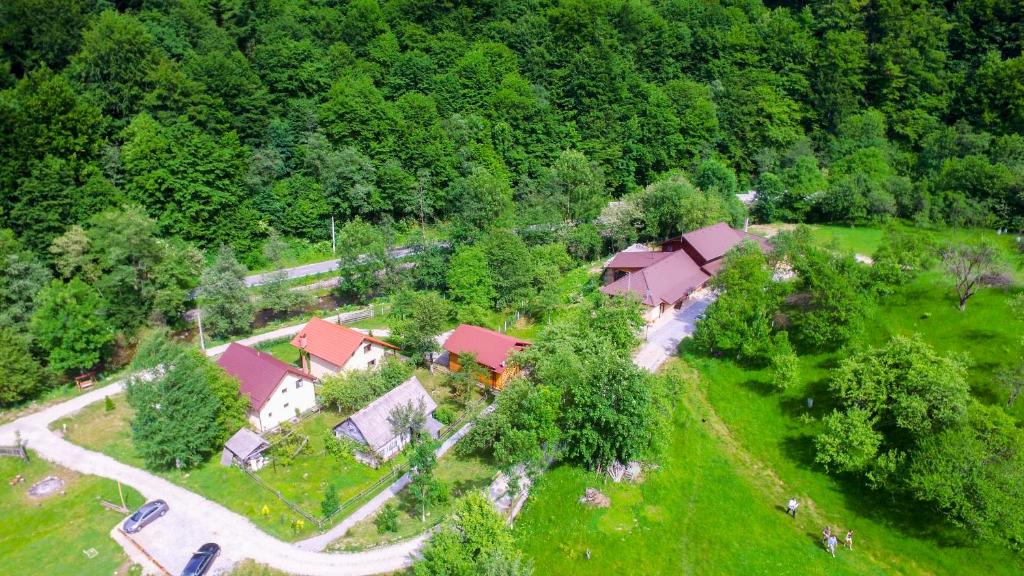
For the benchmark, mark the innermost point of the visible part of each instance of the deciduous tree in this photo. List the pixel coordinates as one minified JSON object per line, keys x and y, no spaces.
{"x":69,"y":324}
{"x":226,"y":306}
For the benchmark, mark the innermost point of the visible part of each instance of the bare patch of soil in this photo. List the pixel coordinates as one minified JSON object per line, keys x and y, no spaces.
{"x":46,"y":487}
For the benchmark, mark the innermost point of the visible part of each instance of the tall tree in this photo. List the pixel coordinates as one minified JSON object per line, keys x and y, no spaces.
{"x":22,"y":276}
{"x":227,"y":307}
{"x":20,"y":373}
{"x":185,"y":406}
{"x":70,"y":326}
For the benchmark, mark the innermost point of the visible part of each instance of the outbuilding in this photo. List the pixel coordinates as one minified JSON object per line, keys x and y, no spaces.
{"x":372,"y":426}
{"x":245,"y":449}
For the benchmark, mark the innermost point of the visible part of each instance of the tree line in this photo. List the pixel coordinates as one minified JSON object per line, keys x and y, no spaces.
{"x":225,"y":120}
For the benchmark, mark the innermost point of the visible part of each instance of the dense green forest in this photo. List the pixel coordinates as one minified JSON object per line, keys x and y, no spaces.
{"x":224,"y":119}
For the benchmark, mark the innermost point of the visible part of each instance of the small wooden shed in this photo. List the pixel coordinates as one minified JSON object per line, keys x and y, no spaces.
{"x":245,"y":450}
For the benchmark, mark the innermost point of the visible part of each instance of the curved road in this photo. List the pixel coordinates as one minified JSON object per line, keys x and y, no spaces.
{"x":192,"y":519}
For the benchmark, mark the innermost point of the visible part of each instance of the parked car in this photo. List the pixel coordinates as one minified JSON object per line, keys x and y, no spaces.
{"x":201,"y":561}
{"x":143,"y":516}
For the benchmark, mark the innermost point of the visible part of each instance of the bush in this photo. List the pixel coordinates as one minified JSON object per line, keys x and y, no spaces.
{"x":445,"y":415}
{"x":341,"y":449}
{"x":329,"y":505}
{"x":387,"y":519}
{"x":108,"y":404}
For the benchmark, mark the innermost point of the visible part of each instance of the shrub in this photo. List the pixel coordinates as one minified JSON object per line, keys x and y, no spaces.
{"x":387,"y":519}
{"x":329,"y":505}
{"x":108,"y":404}
{"x":445,"y":415}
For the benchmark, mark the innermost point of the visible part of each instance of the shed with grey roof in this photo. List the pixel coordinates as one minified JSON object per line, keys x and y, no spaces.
{"x":372,"y":428}
{"x":245,"y":449}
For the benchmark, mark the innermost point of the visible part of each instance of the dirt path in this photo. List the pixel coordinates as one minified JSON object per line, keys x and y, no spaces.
{"x":810,"y":519}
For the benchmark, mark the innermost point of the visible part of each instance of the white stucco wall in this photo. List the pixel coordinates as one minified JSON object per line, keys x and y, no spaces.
{"x":361,"y":359}
{"x":291,"y":394}
{"x":320,"y":368}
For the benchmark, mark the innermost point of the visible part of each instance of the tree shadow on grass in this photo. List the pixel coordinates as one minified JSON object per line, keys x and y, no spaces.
{"x":759,"y":387}
{"x":800,"y":450}
{"x":902,"y":512}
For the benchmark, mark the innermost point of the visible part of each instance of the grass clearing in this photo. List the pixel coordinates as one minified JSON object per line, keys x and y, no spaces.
{"x":303,"y":482}
{"x":740,"y":450}
{"x":48,"y":535}
{"x":461,"y":474}
{"x":282,"y":349}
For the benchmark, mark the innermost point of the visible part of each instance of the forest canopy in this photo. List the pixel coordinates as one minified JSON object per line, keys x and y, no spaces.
{"x":227,"y":119}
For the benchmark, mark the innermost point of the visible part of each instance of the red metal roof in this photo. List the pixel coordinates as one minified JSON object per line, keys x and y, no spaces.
{"x":635,"y":259}
{"x":332,"y":342}
{"x":259,"y":373}
{"x":491,"y":348}
{"x":669,"y":280}
{"x":712,"y":242}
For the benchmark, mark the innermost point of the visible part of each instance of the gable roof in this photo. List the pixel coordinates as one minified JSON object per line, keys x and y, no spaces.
{"x":259,"y":373}
{"x":491,"y":348}
{"x":332,"y":342}
{"x":244,"y":442}
{"x":669,"y":280}
{"x":635,"y":259}
{"x":712,"y":242}
{"x":372,"y":421}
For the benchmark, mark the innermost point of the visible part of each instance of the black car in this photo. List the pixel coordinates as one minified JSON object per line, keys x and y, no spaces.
{"x":150,"y":511}
{"x":201,"y":560}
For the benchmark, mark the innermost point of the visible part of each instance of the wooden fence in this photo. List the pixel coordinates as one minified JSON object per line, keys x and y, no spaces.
{"x":14,"y":451}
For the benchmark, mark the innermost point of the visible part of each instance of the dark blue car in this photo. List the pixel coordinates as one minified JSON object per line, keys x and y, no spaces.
{"x":201,"y":560}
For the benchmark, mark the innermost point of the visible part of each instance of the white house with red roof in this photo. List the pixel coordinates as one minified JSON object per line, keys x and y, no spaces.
{"x":276,"y":391}
{"x":327,"y":348}
{"x":490,"y":349}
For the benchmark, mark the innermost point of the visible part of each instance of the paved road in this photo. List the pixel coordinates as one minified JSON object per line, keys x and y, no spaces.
{"x":284,"y":332}
{"x":194,"y":520}
{"x":321,"y":267}
{"x":664,"y":336}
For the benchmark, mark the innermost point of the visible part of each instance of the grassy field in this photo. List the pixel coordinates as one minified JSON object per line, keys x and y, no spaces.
{"x":461,"y":474}
{"x":281,"y":349}
{"x":303,"y":482}
{"x":740,"y":450}
{"x":49,"y":535}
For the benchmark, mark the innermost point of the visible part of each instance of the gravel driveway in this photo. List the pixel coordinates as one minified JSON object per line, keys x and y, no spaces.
{"x":664,"y":336}
{"x":194,"y":520}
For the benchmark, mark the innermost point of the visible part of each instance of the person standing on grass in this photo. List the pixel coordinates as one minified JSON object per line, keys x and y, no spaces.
{"x":791,"y":507}
{"x":832,"y":541}
{"x":849,"y":539}
{"x":825,"y":534}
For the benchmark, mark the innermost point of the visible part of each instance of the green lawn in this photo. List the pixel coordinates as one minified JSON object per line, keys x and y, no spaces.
{"x":715,"y":508}
{"x":48,"y":535}
{"x":740,"y":450}
{"x":281,"y":349}
{"x":303,"y":481}
{"x":461,"y":474}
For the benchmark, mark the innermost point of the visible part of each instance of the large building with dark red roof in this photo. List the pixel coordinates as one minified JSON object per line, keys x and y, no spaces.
{"x":490,"y":349}
{"x":276,"y":391}
{"x":663,"y":280}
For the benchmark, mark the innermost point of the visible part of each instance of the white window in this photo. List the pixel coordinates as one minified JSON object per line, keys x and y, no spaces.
{"x":284,"y":390}
{"x":371,"y":363}
{"x":298,"y":384}
{"x":367,"y":348}
{"x":285,"y":404}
